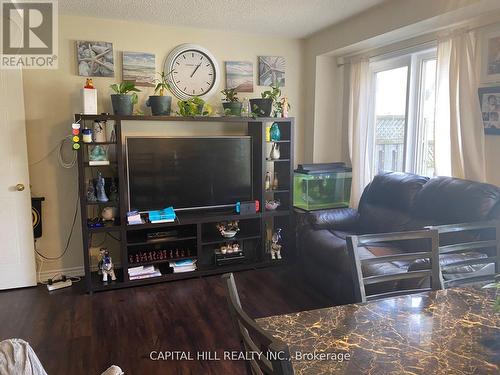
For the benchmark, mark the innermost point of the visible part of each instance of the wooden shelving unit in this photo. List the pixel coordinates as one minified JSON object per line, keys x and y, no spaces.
{"x":197,"y":229}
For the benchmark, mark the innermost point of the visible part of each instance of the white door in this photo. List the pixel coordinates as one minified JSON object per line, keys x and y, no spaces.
{"x":17,"y":257}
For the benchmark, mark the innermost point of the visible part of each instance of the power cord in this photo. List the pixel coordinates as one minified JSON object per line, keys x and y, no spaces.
{"x":60,"y":158}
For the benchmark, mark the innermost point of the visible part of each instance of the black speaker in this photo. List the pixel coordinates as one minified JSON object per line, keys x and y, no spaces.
{"x":36,"y":216}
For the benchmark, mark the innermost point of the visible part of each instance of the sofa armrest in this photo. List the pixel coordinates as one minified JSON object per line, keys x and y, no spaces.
{"x":343,"y":219}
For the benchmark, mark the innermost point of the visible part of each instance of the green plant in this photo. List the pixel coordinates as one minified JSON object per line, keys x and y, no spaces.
{"x":195,"y":106}
{"x":230,"y":95}
{"x":278,"y":106}
{"x":162,"y":83}
{"x":273,"y":94}
{"x":126,"y":87}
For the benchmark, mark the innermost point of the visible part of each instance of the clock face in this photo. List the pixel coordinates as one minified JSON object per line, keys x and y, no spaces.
{"x":194,"y":72}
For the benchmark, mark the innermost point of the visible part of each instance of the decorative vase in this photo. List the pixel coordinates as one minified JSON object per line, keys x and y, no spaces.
{"x":275,"y":152}
{"x":232,"y":108}
{"x":261,"y":107}
{"x":267,"y":183}
{"x":275,"y":181}
{"x":122,"y":104}
{"x":275,"y":132}
{"x":99,"y":131}
{"x":160,"y":105}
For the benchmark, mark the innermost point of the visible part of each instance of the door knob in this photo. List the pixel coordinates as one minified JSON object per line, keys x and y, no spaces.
{"x":19,"y":187}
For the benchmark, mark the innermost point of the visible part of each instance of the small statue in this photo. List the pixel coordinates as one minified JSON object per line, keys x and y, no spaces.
{"x":91,"y":192}
{"x":101,"y":193}
{"x":275,"y":181}
{"x":98,"y":153}
{"x":105,"y":265}
{"x":267,"y":183}
{"x":89,"y":84}
{"x":113,"y":192}
{"x":275,"y":152}
{"x":284,"y":107}
{"x":109,"y":213}
{"x":229,"y":229}
{"x":276,"y":247}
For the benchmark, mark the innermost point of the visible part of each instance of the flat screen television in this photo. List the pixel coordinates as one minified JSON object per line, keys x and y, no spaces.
{"x":188,"y":172}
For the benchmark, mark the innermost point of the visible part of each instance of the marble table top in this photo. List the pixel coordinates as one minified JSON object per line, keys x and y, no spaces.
{"x":453,"y":331}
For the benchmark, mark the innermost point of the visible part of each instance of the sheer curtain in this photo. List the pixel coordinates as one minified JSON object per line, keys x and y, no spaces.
{"x":359,"y":146}
{"x":459,"y":137}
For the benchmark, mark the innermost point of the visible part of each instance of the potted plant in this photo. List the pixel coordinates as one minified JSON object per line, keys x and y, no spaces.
{"x":160,"y":104}
{"x":194,"y":106}
{"x":123,"y":103}
{"x":263,"y":106}
{"x":231,"y":105}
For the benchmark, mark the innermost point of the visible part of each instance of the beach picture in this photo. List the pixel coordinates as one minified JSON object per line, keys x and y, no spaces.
{"x":95,"y":59}
{"x":489,"y":99}
{"x":493,"y":56}
{"x":271,"y":70}
{"x":239,"y":76}
{"x":139,"y":67}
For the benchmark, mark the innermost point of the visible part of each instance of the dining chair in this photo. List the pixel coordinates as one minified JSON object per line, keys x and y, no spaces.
{"x":471,"y":239}
{"x":425,"y":240}
{"x":276,"y":354}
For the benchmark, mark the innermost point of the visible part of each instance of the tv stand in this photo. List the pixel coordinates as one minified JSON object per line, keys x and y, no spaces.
{"x":194,"y":233}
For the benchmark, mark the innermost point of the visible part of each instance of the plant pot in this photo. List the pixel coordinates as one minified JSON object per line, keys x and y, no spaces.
{"x":160,"y":105}
{"x":261,"y":107}
{"x":122,"y":104}
{"x":232,"y":108}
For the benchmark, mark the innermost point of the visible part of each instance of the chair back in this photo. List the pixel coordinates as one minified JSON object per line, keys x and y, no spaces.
{"x":428,"y":239}
{"x":276,"y":354}
{"x":471,"y":238}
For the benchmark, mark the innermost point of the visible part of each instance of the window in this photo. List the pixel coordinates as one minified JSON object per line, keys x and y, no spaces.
{"x":402,"y":112}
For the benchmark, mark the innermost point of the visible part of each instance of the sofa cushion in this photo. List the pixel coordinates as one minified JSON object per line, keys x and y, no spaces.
{"x":327,"y":249}
{"x":380,"y":219}
{"x":344,"y":219}
{"x":393,"y":190}
{"x":449,"y":200}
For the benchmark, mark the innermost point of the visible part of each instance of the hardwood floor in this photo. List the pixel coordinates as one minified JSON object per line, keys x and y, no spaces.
{"x":76,"y":333}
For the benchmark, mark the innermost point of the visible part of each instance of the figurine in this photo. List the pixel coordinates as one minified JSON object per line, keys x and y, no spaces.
{"x":229,"y":229}
{"x":285,"y":106}
{"x":273,"y":204}
{"x":275,"y":132}
{"x":101,"y":193}
{"x":89,"y":84}
{"x":109,"y":213}
{"x":105,"y":265}
{"x":113,"y":192}
{"x":275,"y":181}
{"x":98,"y":153}
{"x":267,"y":183}
{"x":91,"y":192}
{"x":276,"y":247}
{"x":275,"y":152}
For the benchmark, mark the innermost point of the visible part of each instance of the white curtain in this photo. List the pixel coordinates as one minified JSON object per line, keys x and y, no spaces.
{"x":359,"y":132}
{"x":459,"y":137}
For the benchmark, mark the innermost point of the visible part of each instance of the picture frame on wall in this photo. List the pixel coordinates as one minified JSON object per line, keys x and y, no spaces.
{"x":95,"y":59}
{"x":239,"y":76}
{"x":490,"y":57}
{"x":271,"y":70}
{"x":139,"y":67}
{"x":489,"y":100}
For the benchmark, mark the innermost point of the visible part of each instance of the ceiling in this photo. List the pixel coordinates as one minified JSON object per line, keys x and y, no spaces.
{"x":287,"y":18}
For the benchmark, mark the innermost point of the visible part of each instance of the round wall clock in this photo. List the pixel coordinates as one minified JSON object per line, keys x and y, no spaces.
{"x":193,"y":71}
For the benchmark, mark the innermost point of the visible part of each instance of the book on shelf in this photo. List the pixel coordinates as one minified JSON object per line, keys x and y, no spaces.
{"x":185,"y":265}
{"x":134,"y":217}
{"x":143,"y":272}
{"x":166,"y":215}
{"x":147,"y":276}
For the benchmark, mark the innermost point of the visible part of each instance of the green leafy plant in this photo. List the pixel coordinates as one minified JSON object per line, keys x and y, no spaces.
{"x":162,"y":83}
{"x":126,"y":87}
{"x":195,"y":106}
{"x":230,"y":95}
{"x":273,"y":94}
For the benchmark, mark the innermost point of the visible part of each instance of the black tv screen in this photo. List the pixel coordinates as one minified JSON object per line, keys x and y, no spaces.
{"x":188,"y":172}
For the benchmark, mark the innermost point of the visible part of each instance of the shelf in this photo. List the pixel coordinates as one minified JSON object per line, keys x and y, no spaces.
{"x":235,"y":238}
{"x":106,"y":228}
{"x":277,"y":191}
{"x":132,"y":265}
{"x":111,"y":164}
{"x":163,"y":240}
{"x":181,"y":118}
{"x":98,"y":284}
{"x":276,"y":160}
{"x":276,"y":213}
{"x":109,"y":203}
{"x":282,"y":141}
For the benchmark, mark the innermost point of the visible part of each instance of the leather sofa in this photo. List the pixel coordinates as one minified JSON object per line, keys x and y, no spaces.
{"x":392,"y":202}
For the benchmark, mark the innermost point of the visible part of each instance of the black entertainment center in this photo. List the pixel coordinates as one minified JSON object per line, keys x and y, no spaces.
{"x":193,"y":174}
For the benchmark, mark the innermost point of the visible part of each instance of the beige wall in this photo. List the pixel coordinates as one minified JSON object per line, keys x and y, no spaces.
{"x":377,"y":27}
{"x":52,"y":97}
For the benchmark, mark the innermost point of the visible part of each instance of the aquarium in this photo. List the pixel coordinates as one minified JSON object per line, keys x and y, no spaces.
{"x":322,"y":186}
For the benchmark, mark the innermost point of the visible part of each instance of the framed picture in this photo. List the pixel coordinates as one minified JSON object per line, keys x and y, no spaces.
{"x":491,"y":58}
{"x":95,"y":59}
{"x":239,"y":76}
{"x":489,"y":99}
{"x":271,"y":70}
{"x":139,"y":67}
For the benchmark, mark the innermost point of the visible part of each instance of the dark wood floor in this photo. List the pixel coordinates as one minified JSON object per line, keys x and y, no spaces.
{"x":75,"y":333}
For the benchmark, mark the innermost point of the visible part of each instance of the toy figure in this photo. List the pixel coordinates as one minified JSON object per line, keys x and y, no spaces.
{"x":98,"y":153}
{"x":285,"y":106}
{"x":276,"y":247}
{"x":91,"y":192}
{"x":105,"y":265}
{"x":89,"y":84}
{"x":101,"y":193}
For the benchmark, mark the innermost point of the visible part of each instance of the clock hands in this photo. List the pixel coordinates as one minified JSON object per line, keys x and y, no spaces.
{"x":195,"y":69}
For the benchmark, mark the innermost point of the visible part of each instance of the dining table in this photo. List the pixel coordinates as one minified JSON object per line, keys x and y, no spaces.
{"x":451,"y":331}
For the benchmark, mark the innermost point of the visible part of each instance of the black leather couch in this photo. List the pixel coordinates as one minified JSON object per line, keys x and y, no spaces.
{"x":392,"y":202}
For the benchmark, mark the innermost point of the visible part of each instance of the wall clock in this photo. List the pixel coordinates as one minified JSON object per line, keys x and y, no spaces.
{"x":194,"y":71}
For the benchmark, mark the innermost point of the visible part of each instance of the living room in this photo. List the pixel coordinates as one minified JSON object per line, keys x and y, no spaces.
{"x":232,"y":187}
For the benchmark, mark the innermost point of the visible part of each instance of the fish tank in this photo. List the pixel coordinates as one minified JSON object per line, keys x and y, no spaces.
{"x":322,"y":186}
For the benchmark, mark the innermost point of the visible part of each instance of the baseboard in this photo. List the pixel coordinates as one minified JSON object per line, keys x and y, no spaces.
{"x":70,"y":271}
